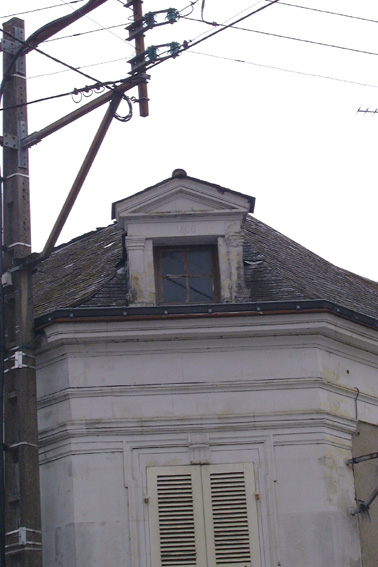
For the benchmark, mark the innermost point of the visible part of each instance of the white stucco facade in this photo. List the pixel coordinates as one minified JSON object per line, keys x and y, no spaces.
{"x":275,"y":391}
{"x":211,"y":434}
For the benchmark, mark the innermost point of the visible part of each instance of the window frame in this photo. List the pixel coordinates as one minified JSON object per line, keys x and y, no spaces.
{"x":186,"y":248}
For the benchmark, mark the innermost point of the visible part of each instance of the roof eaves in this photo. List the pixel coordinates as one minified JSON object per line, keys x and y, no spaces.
{"x":208,"y":310}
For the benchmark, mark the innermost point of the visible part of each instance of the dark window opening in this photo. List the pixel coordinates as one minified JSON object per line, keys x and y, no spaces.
{"x":186,"y":275}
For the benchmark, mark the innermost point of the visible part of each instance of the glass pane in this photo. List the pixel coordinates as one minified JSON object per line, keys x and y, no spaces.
{"x":172,"y":262}
{"x":174,"y":290}
{"x":201,"y":289}
{"x":199,"y":262}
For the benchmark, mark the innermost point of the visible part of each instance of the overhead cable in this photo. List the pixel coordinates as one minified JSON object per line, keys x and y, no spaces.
{"x":86,"y":91}
{"x":286,"y":70}
{"x":40,"y":9}
{"x":282,"y":37}
{"x":93,"y":20}
{"x":55,"y":59}
{"x":189,"y":44}
{"x":81,"y":67}
{"x":329,"y":12}
{"x":87,"y":32}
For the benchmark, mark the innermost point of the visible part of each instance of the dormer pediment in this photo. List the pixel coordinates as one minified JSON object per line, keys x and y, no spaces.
{"x":181,"y":196}
{"x":182,"y":200}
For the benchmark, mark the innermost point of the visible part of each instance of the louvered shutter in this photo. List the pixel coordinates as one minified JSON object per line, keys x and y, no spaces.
{"x":176,"y":517}
{"x":203,"y":516}
{"x":230,"y":516}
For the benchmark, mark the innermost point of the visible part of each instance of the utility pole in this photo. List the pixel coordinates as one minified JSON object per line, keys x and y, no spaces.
{"x":136,"y":6}
{"x":20,"y":515}
{"x":23,"y":547}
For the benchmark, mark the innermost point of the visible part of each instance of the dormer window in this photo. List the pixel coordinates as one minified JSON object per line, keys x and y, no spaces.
{"x":184,"y":242}
{"x":186,"y":274}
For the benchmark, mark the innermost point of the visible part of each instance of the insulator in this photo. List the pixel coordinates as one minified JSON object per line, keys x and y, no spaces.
{"x":151,"y":53}
{"x":172,"y":15}
{"x":174,"y":48}
{"x":150,"y":19}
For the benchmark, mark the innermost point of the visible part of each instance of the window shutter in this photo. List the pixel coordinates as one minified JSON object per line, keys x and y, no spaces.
{"x":203,"y":516}
{"x":230,"y":516}
{"x":176,"y":517}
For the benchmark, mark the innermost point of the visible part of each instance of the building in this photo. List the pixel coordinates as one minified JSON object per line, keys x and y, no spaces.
{"x":202,"y":382}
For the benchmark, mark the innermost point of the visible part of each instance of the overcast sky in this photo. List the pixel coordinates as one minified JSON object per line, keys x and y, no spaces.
{"x":268,"y":116}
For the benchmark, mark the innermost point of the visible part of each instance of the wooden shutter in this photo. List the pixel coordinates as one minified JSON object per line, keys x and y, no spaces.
{"x":230,"y":516}
{"x":203,"y":516}
{"x":176,"y":517}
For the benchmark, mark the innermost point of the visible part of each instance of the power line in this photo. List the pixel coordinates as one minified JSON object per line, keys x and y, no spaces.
{"x":86,"y":33}
{"x":81,"y":67}
{"x":215,"y":24}
{"x":329,"y":12}
{"x":188,"y":45}
{"x":224,"y":27}
{"x":286,"y":37}
{"x":40,"y":9}
{"x":89,"y":89}
{"x":52,"y":58}
{"x":286,"y":70}
{"x":97,"y":23}
{"x":148,"y":67}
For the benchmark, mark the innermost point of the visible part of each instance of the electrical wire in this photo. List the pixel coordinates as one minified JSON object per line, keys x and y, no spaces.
{"x":215,"y":24}
{"x":202,"y":9}
{"x":74,"y":92}
{"x":329,"y":12}
{"x":97,"y":87}
{"x":114,"y":105}
{"x":86,"y":33}
{"x":225,"y":27}
{"x":286,"y":70}
{"x":81,"y":67}
{"x":53,"y":58}
{"x":107,"y":85}
{"x":190,"y":6}
{"x":286,"y":37}
{"x":189,"y":44}
{"x":42,"y":34}
{"x":95,"y":21}
{"x":39,"y":9}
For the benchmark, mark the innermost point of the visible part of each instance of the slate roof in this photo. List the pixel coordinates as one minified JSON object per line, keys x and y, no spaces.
{"x":89,"y":272}
{"x":82,"y":273}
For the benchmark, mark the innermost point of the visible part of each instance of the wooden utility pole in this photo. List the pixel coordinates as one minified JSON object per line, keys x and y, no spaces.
{"x":20,"y":534}
{"x":23,"y":546}
{"x":136,"y":6}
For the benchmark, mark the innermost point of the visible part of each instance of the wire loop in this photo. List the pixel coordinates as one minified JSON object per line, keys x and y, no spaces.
{"x":113,"y":107}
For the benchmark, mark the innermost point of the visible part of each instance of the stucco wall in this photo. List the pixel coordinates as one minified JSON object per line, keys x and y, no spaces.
{"x":279,"y":392}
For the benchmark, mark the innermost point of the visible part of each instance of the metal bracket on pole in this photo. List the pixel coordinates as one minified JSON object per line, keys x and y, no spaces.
{"x":11,"y":46}
{"x":15,"y":142}
{"x":23,"y":160}
{"x":23,"y":538}
{"x":10,"y":141}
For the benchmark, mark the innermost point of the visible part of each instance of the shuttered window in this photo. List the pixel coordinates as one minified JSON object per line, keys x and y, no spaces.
{"x":203,"y":516}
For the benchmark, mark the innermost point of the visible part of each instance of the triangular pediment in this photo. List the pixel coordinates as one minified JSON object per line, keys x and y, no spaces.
{"x":182,"y":200}
{"x":182,"y":196}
